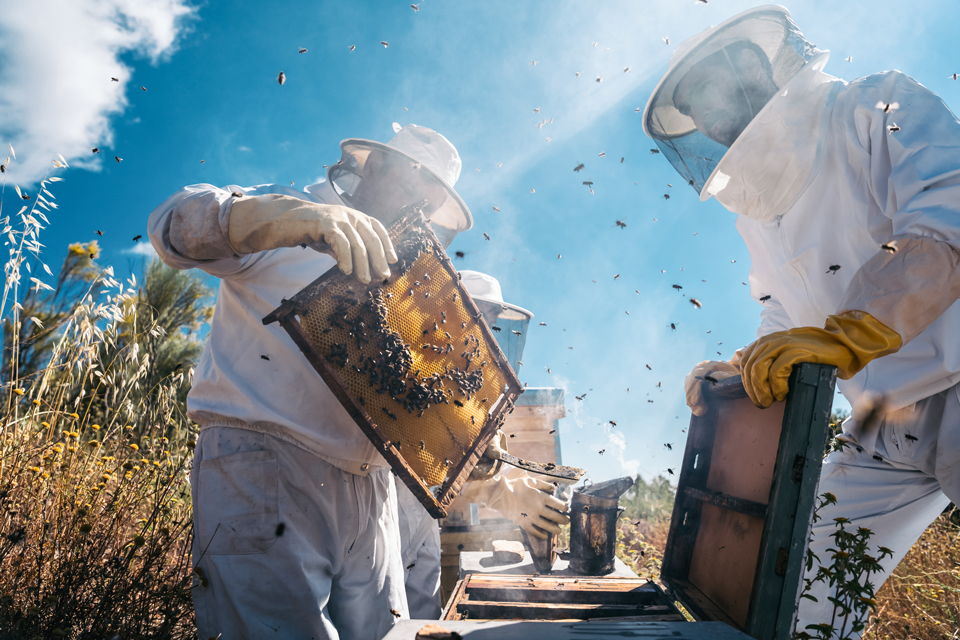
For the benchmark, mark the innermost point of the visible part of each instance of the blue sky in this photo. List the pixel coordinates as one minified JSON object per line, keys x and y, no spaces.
{"x":465,"y":70}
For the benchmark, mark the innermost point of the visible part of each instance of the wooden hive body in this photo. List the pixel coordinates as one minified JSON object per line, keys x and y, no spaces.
{"x":745,"y":499}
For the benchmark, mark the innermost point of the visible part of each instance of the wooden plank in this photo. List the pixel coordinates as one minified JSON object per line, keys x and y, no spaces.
{"x":695,"y":602}
{"x":487,"y":610}
{"x":730,"y":388}
{"x":459,"y":593}
{"x":508,"y":581}
{"x":786,"y":536}
{"x":731,"y":503}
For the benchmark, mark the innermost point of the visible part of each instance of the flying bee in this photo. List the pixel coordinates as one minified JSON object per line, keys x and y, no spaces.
{"x":459,"y":254}
{"x":517,"y":333}
{"x":670,"y":471}
{"x":668,"y":445}
{"x":910,"y":437}
{"x":281,"y":78}
{"x":496,"y":328}
{"x":601,"y":451}
{"x":621,"y":224}
{"x":578,"y":167}
{"x":696,"y":303}
{"x":893,"y":128}
{"x":887,"y":107}
{"x":264,"y":357}
{"x":677,"y":287}
{"x":889,"y":247}
{"x":486,"y":236}
{"x":136,"y":238}
{"x":764,"y":298}
{"x":833,"y":268}
{"x":396,"y":614}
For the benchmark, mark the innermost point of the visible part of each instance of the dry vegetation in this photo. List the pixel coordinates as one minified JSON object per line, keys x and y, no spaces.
{"x":95,"y":521}
{"x":921,"y":600}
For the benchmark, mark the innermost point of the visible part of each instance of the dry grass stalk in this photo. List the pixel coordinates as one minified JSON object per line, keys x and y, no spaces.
{"x":95,"y":521}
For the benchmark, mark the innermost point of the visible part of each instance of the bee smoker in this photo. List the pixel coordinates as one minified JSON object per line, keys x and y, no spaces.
{"x":594,"y":511}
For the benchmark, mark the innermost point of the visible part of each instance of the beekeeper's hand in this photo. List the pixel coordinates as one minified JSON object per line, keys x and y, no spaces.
{"x":849,"y":341}
{"x":529,"y":503}
{"x":707,"y":372}
{"x":359,"y":243}
{"x":489,"y":464}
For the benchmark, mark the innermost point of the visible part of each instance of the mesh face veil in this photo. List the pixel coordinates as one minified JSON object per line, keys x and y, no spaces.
{"x":775,"y":39}
{"x":417,"y":164}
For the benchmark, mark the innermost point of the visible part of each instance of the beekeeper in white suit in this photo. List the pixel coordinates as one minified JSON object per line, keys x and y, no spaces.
{"x":295,"y":512}
{"x":521,"y":498}
{"x":848,"y":201}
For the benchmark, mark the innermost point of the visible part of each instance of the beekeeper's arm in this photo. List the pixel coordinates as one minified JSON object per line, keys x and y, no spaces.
{"x":773,"y":318}
{"x":218,"y":230}
{"x":914,"y":177}
{"x":527,"y":501}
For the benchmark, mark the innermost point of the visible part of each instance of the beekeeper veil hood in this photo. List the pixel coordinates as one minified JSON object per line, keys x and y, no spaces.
{"x":717,"y":81}
{"x":416,"y":164}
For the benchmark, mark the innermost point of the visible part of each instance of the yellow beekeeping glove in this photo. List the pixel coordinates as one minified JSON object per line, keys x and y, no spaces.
{"x":849,"y":341}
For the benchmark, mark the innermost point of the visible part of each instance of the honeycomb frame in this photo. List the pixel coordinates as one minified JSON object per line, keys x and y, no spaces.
{"x":339,"y":323}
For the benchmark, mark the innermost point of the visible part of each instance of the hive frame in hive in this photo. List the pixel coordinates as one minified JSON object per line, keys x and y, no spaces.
{"x":290,"y":315}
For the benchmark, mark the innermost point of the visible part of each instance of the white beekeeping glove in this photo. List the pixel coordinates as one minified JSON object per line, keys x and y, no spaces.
{"x":527,"y":501}
{"x":273,"y":221}
{"x":717,"y":370}
{"x":489,"y":464}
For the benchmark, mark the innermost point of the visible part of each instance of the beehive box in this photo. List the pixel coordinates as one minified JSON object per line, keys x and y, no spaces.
{"x":513,"y":597}
{"x":410,"y":359}
{"x":745,"y":499}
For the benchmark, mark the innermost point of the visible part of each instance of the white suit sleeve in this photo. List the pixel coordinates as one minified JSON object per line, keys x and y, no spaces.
{"x":773,"y":317}
{"x":914,"y":176}
{"x":190,"y":229}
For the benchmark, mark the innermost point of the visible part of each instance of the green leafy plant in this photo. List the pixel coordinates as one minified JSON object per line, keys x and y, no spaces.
{"x":848,"y":577}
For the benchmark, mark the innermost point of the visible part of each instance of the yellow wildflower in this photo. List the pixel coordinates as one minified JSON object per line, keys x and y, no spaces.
{"x":134,"y":446}
{"x":36,"y":402}
{"x":19,"y":392}
{"x":74,"y":415}
{"x":95,"y":427}
{"x":36,"y":469}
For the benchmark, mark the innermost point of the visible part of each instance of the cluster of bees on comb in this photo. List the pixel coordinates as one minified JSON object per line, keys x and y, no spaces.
{"x":364,"y":317}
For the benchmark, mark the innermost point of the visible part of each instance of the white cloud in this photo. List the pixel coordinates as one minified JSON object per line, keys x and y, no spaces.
{"x":142,"y":249}
{"x":56,"y":95}
{"x":244,"y":148}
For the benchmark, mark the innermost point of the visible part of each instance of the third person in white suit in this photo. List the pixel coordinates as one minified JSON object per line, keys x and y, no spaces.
{"x":848,"y":195}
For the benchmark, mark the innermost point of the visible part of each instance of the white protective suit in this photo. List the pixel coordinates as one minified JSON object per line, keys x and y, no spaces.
{"x":336,"y":570}
{"x":822,"y":177}
{"x":865,"y":187}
